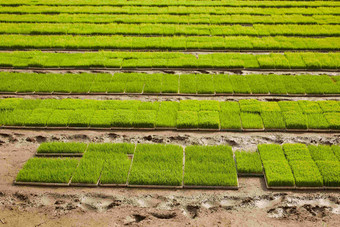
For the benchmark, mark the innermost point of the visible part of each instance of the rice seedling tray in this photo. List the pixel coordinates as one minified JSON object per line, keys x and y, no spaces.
{"x":42,"y":184}
{"x":59,"y":155}
{"x":155,"y":186}
{"x":211,"y":187}
{"x":278,"y":187}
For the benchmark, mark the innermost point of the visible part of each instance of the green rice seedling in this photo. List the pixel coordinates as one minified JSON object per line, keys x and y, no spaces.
{"x":117,"y":83}
{"x":119,"y":105}
{"x":93,"y":161}
{"x":239,"y":84}
{"x":208,"y":119}
{"x":61,"y":147}
{"x":153,"y":83}
{"x":273,"y":120}
{"x":123,"y":118}
{"x":59,"y":118}
{"x":230,"y":106}
{"x":209,"y":105}
{"x":330,"y":171}
{"x":187,"y":119}
{"x":116,"y":169}
{"x":257,"y":84}
{"x":205,"y":84}
{"x":28,"y":104}
{"x":80,"y":118}
{"x":10,"y":103}
{"x":270,"y":107}
{"x":209,"y":166}
{"x":101,"y":118}
{"x":189,"y":105}
{"x":38,"y":117}
{"x":157,"y":164}
{"x":296,"y":151}
{"x":295,"y":120}
{"x":107,"y":148}
{"x":288,"y":106}
{"x":248,"y":162}
{"x":47,"y":170}
{"x":306,"y":173}
{"x":149,"y":106}
{"x":187,"y":84}
{"x":250,"y":105}
{"x":333,"y":120}
{"x":275,"y":84}
{"x":329,"y":106}
{"x":167,"y":114}
{"x":336,"y":150}
{"x":230,"y":120}
{"x":291,"y":83}
{"x":309,"y":107}
{"x":270,"y":152}
{"x":222,"y":84}
{"x":295,"y":61}
{"x":317,"y":121}
{"x":15,"y":117}
{"x":144,"y":119}
{"x":266,"y":61}
{"x":88,"y":171}
{"x":134,"y":83}
{"x":278,"y":173}
{"x":321,"y":153}
{"x":170,"y":83}
{"x":317,"y":84}
{"x":49,"y":104}
{"x":251,"y":121}
{"x":100,"y":82}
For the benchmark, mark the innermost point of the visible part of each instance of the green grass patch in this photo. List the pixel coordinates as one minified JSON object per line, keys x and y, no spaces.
{"x":330,"y":171}
{"x":306,"y":173}
{"x":278,"y":173}
{"x":321,"y":153}
{"x":156,"y":164}
{"x":269,"y":152}
{"x":248,"y":162}
{"x":251,"y":121}
{"x":47,"y":170}
{"x":61,"y":147}
{"x":209,"y":166}
{"x":296,"y":151}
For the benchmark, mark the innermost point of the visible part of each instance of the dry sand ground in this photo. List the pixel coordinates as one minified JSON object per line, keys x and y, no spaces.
{"x":251,"y":205}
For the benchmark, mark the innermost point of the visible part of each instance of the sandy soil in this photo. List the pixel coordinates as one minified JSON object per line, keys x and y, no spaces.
{"x":251,"y":205}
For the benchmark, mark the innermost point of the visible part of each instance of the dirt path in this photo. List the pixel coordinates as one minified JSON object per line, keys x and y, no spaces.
{"x":251,"y":205}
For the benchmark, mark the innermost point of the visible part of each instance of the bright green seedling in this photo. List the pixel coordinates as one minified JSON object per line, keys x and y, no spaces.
{"x":306,"y":173}
{"x":330,"y":171}
{"x":248,"y":162}
{"x":156,"y":164}
{"x":209,"y":166}
{"x":251,"y":120}
{"x":47,"y":170}
{"x":321,"y":153}
{"x":60,"y":147}
{"x":296,"y":151}
{"x":278,"y":173}
{"x":270,"y":152}
{"x":336,"y":150}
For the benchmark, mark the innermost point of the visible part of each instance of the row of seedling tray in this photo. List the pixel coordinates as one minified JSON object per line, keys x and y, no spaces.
{"x":244,"y":115}
{"x":169,"y":84}
{"x":175,"y":60}
{"x":290,"y":166}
